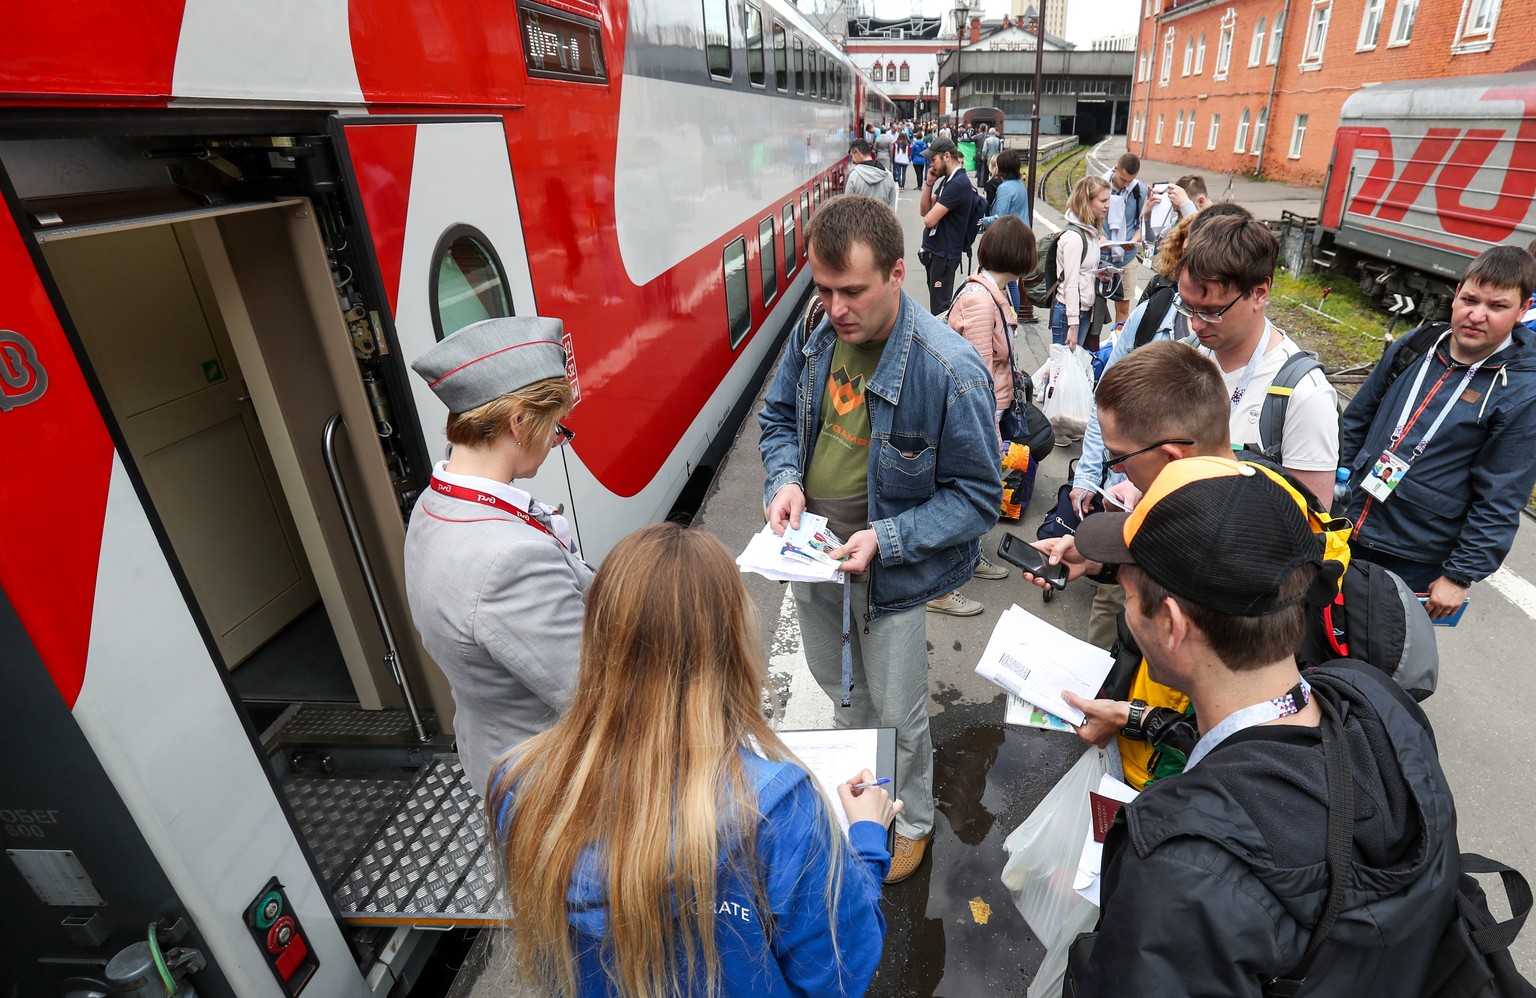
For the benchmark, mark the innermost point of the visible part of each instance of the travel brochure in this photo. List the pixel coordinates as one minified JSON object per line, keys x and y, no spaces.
{"x":800,"y":554}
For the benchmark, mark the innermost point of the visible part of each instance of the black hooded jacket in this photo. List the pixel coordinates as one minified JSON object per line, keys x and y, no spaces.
{"x":1214,"y":878}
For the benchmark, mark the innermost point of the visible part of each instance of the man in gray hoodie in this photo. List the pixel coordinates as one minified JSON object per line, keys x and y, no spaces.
{"x":868,"y":177}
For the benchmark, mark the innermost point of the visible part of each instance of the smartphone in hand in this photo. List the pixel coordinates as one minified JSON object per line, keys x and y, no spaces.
{"x":1015,"y":550}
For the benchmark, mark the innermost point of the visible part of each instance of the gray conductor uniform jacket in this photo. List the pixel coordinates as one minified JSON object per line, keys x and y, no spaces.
{"x":499,"y":605}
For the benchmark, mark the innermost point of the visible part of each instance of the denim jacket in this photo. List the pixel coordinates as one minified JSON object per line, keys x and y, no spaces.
{"x":934,"y":482}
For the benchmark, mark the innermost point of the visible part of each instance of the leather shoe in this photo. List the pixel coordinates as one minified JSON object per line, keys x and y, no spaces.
{"x":907,"y":857}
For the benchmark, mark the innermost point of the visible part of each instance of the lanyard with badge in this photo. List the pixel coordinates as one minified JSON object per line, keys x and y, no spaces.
{"x":485,"y":499}
{"x":1260,"y":713}
{"x":1253,"y":363}
{"x":1390,"y":468}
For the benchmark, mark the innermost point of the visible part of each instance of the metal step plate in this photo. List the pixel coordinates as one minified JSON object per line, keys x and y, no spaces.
{"x":411,"y":855}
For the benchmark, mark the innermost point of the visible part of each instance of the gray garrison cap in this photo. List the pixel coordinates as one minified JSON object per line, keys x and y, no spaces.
{"x":486,"y":359}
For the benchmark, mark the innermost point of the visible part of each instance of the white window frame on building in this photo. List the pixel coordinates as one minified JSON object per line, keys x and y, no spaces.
{"x":1298,"y":136}
{"x":1200,"y":55}
{"x":906,"y":73}
{"x":1277,"y":38}
{"x":1474,"y":32}
{"x":1256,"y":47}
{"x":1317,"y":36}
{"x":1243,"y":124}
{"x":1189,"y":130}
{"x":1224,"y":44}
{"x":1178,"y":130}
{"x":1189,"y":56}
{"x":1166,"y":70}
{"x":1259,"y":128}
{"x":877,"y":72}
{"x":1403,"y":19}
{"x":1159,"y":139}
{"x":1370,"y":25}
{"x":1215,"y":130}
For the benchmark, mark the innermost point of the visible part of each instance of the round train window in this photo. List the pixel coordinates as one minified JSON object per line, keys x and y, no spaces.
{"x":468,"y":282}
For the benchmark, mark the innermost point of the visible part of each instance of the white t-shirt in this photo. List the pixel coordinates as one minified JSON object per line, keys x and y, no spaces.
{"x":1115,"y":221}
{"x":1310,"y":441}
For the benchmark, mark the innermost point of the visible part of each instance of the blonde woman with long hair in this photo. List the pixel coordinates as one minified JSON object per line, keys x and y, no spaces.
{"x":660,"y":840}
{"x":1077,"y":260}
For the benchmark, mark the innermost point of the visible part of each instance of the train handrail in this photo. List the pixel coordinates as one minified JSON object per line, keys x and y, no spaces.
{"x":365,"y":565}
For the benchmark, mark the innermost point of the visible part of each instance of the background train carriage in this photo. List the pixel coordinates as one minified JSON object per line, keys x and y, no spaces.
{"x":229,"y":227}
{"x":1425,"y":175}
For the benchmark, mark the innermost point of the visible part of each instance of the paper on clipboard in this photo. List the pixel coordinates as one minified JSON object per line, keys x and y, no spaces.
{"x":834,"y":756}
{"x":1035,"y":661}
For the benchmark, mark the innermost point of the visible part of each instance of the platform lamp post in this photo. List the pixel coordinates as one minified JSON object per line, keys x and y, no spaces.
{"x":932,"y":92}
{"x":962,"y":26}
{"x":1034,"y":114}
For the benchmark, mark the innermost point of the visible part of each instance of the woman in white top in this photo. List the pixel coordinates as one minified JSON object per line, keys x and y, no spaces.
{"x":1077,"y":260}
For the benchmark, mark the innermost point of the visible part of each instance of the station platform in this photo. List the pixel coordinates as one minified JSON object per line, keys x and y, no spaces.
{"x":952,"y":928}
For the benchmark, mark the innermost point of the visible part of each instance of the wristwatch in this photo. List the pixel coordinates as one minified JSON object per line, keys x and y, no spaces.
{"x":1133,"y":730}
{"x":1460,"y":580}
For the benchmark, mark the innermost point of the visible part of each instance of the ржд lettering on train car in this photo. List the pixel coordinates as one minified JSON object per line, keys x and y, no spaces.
{"x":1427,"y":174}
{"x":228,"y":229}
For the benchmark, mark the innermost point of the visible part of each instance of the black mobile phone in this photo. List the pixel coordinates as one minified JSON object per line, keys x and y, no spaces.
{"x":1017,"y":551}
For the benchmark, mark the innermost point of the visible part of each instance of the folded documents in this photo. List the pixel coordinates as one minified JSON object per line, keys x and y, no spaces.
{"x":1035,"y":661}
{"x":1102,"y":806}
{"x":800,"y":555}
{"x":1026,"y":714}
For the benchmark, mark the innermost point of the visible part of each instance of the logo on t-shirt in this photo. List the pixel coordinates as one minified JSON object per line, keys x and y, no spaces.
{"x":847,"y":393}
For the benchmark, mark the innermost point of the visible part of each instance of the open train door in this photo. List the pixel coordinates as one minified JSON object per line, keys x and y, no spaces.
{"x":440,"y":208}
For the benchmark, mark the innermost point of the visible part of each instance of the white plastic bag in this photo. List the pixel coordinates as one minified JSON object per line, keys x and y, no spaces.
{"x":1044,"y":850}
{"x":1052,"y":973}
{"x":1069,"y":400}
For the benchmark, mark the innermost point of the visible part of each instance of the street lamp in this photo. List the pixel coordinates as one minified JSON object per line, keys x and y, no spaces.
{"x":962,"y":24}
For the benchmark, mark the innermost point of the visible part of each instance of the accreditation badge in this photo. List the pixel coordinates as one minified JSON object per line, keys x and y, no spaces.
{"x":1385,"y":476}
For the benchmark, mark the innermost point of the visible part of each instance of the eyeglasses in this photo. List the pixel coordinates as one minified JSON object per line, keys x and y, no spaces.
{"x":563,"y":434}
{"x":1115,"y":462}
{"x":1211,"y":318}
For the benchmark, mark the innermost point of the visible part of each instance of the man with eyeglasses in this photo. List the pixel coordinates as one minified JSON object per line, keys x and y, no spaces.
{"x":1163,"y":403}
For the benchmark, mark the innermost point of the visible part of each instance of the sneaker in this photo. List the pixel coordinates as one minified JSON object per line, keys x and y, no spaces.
{"x":987,"y":570}
{"x":906,"y":857}
{"x":955,"y":605}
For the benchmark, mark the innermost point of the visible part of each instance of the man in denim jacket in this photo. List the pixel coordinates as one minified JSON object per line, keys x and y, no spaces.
{"x":881,"y":419}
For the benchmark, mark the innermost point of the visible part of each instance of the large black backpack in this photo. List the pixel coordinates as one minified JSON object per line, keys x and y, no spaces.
{"x":1375,"y":618}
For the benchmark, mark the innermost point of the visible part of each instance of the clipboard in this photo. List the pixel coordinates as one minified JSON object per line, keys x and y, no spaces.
{"x":834,"y":754}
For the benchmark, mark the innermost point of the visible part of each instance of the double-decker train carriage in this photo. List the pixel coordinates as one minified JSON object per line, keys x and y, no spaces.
{"x":1425,"y":175}
{"x":229,"y":228}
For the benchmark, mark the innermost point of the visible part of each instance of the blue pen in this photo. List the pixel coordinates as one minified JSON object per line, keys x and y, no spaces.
{"x":875,"y":783}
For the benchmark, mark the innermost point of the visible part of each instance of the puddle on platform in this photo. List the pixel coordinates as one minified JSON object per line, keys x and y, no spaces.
{"x":987,"y":778}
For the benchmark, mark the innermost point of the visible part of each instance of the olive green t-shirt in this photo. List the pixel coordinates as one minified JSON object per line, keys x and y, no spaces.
{"x":840,"y":465}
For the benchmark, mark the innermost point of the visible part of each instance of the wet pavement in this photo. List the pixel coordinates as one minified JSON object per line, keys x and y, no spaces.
{"x":952,"y":928}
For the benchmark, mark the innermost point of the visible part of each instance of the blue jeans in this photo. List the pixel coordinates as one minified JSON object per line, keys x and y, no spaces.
{"x":1059,"y":323}
{"x":1419,"y":575}
{"x":899,"y":171}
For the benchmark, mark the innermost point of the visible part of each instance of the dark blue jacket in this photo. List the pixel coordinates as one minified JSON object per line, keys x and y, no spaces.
{"x":798,"y":957}
{"x":1459,"y":504}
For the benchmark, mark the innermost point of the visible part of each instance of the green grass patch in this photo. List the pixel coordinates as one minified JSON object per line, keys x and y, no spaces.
{"x":1059,"y":188}
{"x":1351,"y":330}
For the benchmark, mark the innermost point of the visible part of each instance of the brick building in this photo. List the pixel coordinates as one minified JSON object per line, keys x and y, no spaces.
{"x":1244,"y":86}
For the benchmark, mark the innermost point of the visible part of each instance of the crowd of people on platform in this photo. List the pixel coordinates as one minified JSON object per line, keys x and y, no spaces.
{"x":656,"y":836}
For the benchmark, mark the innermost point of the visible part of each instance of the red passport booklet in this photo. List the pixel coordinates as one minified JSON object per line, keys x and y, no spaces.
{"x":1104,"y":810}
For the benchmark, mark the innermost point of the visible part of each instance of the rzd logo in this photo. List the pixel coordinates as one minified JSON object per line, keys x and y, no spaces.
{"x":22,"y":378}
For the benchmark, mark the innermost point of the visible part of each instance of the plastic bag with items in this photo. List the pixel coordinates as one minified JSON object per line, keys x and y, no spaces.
{"x":1068,"y":380}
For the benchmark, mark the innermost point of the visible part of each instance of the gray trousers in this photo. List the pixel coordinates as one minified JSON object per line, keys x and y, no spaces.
{"x":890,"y":684}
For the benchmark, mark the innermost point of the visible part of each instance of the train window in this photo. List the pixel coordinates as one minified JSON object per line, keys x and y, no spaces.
{"x":767,"y":260}
{"x":717,"y":37}
{"x":805,"y":206}
{"x":738,"y":308}
{"x":755,"y":74}
{"x":561,"y":46}
{"x":790,"y":249}
{"x":780,"y":59}
{"x":468,"y":283}
{"x":799,"y":65}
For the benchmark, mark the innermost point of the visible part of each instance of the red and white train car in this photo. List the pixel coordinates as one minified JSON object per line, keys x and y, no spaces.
{"x":229,"y":227}
{"x":1426,"y":175}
